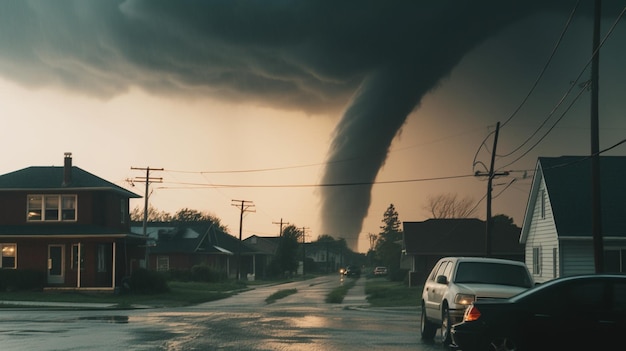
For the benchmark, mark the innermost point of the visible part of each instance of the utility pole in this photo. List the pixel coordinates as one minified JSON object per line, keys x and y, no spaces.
{"x":280,"y":234}
{"x":147,"y":179}
{"x":303,"y":248}
{"x":491,"y":175}
{"x":596,"y":203}
{"x":244,"y":206}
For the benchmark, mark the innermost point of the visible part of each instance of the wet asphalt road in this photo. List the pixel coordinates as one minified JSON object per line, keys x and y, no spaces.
{"x":302,"y":321}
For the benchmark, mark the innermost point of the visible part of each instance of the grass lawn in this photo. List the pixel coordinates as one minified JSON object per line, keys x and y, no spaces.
{"x":384,"y":293}
{"x":180,"y":294}
{"x":380,"y":293}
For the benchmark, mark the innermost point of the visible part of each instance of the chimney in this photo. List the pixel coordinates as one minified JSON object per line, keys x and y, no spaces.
{"x":67,"y":169}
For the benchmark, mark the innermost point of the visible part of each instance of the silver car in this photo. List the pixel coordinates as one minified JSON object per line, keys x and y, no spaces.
{"x":455,"y":282}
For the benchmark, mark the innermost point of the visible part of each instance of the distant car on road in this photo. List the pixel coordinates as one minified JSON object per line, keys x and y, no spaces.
{"x":455,"y":282}
{"x":380,"y":271}
{"x":568,"y":313}
{"x":352,"y":271}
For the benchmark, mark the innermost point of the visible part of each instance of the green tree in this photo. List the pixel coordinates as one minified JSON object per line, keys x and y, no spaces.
{"x":286,"y":259}
{"x":154,"y":215}
{"x":388,"y":246}
{"x":504,"y":219}
{"x":181,"y":216}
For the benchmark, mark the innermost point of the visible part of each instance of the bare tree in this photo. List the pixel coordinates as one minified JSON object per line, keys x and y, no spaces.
{"x":449,"y":206}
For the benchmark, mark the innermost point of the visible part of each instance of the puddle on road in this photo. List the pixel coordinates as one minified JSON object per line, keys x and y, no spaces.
{"x":107,"y":319}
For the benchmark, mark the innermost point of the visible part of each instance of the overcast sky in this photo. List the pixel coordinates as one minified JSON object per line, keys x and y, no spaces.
{"x":320,"y":113}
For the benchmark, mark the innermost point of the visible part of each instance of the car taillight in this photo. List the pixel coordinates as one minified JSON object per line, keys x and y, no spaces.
{"x":471,"y":314}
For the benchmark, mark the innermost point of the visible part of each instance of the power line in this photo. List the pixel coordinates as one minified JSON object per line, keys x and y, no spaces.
{"x":572,"y":85}
{"x":545,"y":66}
{"x":210,"y":186}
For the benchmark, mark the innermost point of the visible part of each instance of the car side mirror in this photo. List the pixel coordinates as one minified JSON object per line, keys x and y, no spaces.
{"x":441,"y":279}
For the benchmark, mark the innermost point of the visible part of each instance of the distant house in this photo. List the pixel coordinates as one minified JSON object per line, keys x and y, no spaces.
{"x":265,"y":250}
{"x":328,"y":255}
{"x":182,"y":245}
{"x":69,"y":224}
{"x":557,"y":229}
{"x":428,"y":241}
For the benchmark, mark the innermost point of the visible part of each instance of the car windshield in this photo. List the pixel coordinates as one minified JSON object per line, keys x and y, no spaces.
{"x":492,"y":273}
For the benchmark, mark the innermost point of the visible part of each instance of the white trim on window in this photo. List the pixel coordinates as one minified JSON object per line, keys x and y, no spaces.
{"x":537,"y":260}
{"x":51,"y":208}
{"x":163,"y":263}
{"x":542,"y":193}
{"x":8,"y":255}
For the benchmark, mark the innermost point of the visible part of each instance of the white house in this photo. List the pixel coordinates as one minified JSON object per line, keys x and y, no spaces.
{"x":557,"y":228}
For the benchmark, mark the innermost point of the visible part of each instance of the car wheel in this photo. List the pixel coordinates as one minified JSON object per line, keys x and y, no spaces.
{"x":502,"y":344}
{"x":445,"y":326}
{"x":428,"y":329}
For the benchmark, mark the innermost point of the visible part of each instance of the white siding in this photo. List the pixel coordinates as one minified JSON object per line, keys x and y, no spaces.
{"x":542,"y":234}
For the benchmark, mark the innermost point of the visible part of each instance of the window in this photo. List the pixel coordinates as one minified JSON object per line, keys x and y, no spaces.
{"x":163,"y":263}
{"x":536,"y":260}
{"x":555,"y":256}
{"x":68,"y":207}
{"x":9,"y":255}
{"x":78,"y":249}
{"x":542,"y":193}
{"x":51,"y":208}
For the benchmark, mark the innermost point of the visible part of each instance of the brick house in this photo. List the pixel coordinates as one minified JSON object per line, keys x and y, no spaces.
{"x":70,"y":224}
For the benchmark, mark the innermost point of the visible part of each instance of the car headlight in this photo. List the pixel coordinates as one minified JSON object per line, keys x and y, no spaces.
{"x":464,"y":299}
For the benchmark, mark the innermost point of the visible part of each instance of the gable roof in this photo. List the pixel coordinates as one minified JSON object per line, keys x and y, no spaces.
{"x":569,"y":189}
{"x":51,"y":178}
{"x":458,"y":237}
{"x":263,"y":244}
{"x":199,"y":237}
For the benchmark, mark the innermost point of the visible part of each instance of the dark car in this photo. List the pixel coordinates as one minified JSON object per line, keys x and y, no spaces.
{"x":353,"y":271}
{"x":566,"y":313}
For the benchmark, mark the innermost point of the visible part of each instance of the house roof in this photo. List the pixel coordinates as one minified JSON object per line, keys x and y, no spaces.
{"x":459,"y":236}
{"x":569,"y":189}
{"x":199,"y":237}
{"x":51,"y":178}
{"x":263,"y":244}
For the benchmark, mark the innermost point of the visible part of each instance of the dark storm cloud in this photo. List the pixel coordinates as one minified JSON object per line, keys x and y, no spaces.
{"x":374,"y":59}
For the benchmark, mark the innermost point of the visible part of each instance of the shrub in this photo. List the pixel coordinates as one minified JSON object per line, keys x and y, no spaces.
{"x":204,"y":273}
{"x":337,"y":294}
{"x":143,"y":281}
{"x":21,"y":279}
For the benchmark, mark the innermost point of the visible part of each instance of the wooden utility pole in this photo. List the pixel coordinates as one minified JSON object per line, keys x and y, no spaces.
{"x":281,"y":226}
{"x":491,"y":175}
{"x":596,"y":203}
{"x":303,"y":248}
{"x":246,"y":206}
{"x":147,"y":179}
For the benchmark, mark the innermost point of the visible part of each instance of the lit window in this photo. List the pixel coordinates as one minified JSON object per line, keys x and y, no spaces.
{"x":35,"y":204}
{"x":51,"y":208}
{"x":9,"y":256}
